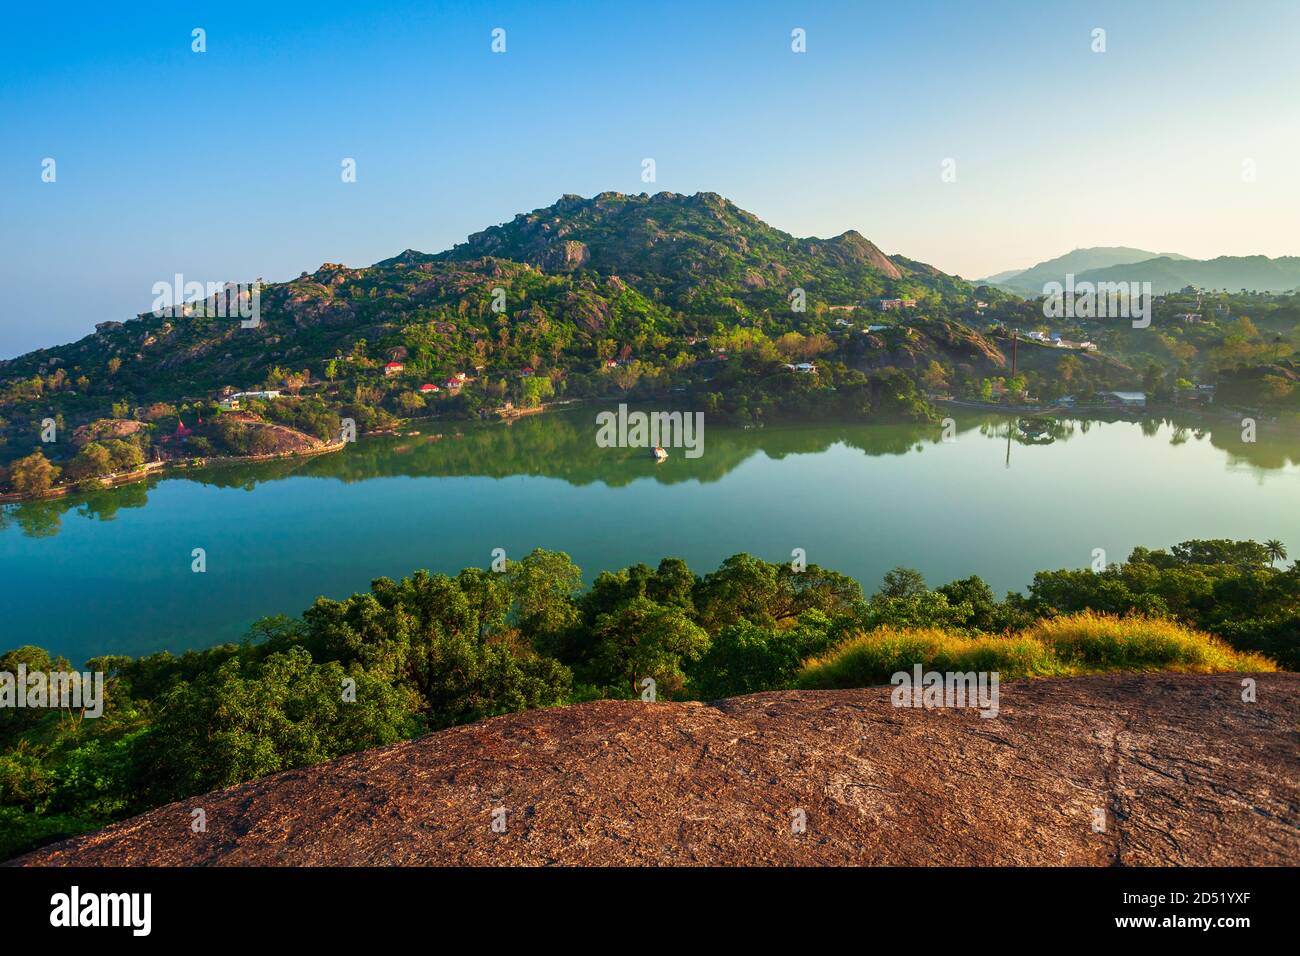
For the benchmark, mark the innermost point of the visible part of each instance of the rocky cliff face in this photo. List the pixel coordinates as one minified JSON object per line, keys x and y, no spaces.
{"x":1158,"y":769}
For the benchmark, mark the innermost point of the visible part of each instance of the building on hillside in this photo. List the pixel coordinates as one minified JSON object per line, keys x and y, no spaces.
{"x":267,"y":394}
{"x":1125,"y":399}
{"x":394,"y":368}
{"x":429,"y":387}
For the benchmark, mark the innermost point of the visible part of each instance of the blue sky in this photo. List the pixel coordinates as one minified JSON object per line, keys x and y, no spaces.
{"x":225,"y":165}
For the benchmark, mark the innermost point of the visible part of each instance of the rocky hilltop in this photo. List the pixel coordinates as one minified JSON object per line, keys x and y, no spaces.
{"x":1181,"y":770}
{"x":614,"y":266}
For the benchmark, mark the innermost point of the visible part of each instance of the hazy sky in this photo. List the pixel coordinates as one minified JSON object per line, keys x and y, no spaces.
{"x":225,"y":165}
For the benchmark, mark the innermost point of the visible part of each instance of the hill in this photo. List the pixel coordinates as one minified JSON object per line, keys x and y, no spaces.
{"x":627,"y":297}
{"x":689,"y":245}
{"x":1181,"y":771}
{"x":1231,"y":273}
{"x":581,"y":270}
{"x":1030,"y":281}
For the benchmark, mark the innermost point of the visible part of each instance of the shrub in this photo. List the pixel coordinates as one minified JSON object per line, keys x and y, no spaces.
{"x":872,"y":658}
{"x":1071,"y":644}
{"x":1101,"y":642}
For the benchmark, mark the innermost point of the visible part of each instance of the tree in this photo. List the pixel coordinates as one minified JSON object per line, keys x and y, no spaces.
{"x":246,"y":720}
{"x":533,"y":391}
{"x":126,"y":455}
{"x":1276,"y":550}
{"x":296,"y":381}
{"x":91,"y":462}
{"x":935,"y":378}
{"x":33,"y":475}
{"x":745,"y":658}
{"x":902,"y":583}
{"x":643,"y":639}
{"x":978,"y":596}
{"x":543,"y":585}
{"x":410,"y":403}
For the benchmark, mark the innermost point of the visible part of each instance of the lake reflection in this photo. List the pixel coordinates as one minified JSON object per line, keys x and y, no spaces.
{"x":111,"y":571}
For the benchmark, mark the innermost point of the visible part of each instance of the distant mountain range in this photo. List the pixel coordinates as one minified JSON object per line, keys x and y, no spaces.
{"x":1167,"y":272}
{"x":1231,"y":273}
{"x":1030,"y":281}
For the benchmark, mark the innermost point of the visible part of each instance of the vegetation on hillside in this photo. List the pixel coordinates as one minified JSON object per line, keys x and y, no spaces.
{"x":686,"y":301}
{"x":434,"y":650}
{"x":1069,"y":645}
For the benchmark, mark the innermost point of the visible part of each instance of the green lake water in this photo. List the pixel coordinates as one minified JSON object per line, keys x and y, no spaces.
{"x":111,"y":572}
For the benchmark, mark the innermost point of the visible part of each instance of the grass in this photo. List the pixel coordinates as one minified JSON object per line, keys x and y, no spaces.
{"x":1086,"y":643}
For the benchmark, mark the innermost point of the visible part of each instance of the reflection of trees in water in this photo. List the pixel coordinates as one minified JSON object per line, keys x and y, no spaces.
{"x":1028,"y":430}
{"x":44,"y":518}
{"x":36,"y":519}
{"x":1270,"y":451}
{"x":563,"y":445}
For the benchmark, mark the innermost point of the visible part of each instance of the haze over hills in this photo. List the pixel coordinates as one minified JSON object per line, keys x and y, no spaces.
{"x":1230,"y":273}
{"x":1030,"y":281}
{"x":1167,"y":272}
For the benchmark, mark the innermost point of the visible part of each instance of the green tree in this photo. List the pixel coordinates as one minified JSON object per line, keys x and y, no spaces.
{"x":746,"y":658}
{"x":543,"y":585}
{"x":33,"y":475}
{"x":246,"y":720}
{"x":92,"y":461}
{"x":902,"y":583}
{"x":643,"y":639}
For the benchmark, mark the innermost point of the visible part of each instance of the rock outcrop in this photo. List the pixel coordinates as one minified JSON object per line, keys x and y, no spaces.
{"x":1163,"y":769}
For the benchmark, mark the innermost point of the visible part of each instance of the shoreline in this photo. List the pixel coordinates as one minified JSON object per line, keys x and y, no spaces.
{"x":1200,"y":416}
{"x":154,"y":468}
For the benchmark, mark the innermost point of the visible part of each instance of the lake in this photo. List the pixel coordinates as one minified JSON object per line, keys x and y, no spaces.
{"x":110,"y":572}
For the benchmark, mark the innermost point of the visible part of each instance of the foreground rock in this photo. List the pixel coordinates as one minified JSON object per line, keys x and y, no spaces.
{"x":1184,"y":770}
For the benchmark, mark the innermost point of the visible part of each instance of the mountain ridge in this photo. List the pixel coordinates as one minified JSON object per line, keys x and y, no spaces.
{"x":615,"y":266}
{"x":1167,"y":272}
{"x":1075,"y":261}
